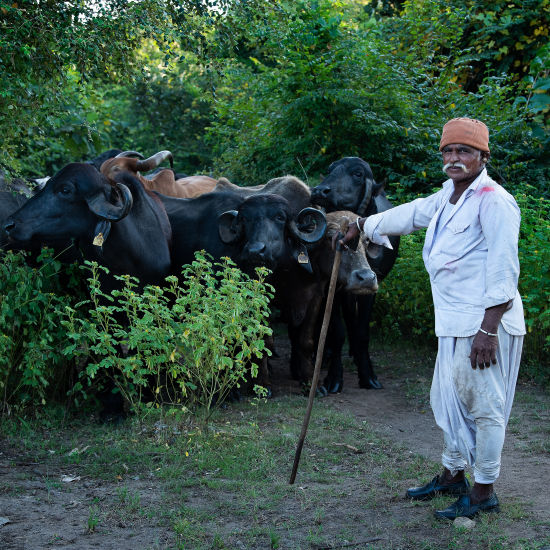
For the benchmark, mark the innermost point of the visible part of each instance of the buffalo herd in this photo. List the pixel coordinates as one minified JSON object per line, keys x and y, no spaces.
{"x":150,"y":225}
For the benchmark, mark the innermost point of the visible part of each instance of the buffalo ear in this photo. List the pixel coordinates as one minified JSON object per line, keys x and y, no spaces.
{"x":374,"y":251}
{"x":229,"y":228}
{"x":369,"y":187}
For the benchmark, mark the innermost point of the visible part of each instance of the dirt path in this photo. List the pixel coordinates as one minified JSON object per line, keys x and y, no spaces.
{"x":45,"y":509}
{"x":401,"y":412}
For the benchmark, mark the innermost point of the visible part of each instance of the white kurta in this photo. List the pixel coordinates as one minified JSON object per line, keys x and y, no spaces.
{"x":470,"y":253}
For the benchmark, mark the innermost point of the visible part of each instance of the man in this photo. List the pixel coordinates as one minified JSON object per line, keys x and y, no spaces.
{"x":470,"y":253}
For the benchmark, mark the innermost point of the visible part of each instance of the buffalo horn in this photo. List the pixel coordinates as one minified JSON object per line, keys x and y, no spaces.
{"x":152,"y":162}
{"x":133,"y":154}
{"x":369,"y":186}
{"x":309,"y":216}
{"x":228,"y":228}
{"x":100,"y":206}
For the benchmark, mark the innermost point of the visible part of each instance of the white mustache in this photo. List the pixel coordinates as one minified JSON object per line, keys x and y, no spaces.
{"x":455,"y":165}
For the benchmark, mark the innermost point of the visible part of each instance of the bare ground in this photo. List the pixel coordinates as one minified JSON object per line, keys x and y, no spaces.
{"x":44,"y":512}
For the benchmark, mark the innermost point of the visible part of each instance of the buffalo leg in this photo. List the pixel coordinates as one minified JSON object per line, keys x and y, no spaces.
{"x":358,"y":312}
{"x":334,"y":381}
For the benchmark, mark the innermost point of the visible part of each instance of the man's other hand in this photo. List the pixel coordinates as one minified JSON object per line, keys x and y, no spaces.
{"x":484,"y":351}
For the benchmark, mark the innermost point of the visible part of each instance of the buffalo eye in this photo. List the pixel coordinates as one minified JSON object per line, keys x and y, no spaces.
{"x":280,"y":217}
{"x":358,"y":174}
{"x":65,"y":189}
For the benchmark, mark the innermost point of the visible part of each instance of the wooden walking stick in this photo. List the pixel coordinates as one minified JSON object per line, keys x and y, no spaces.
{"x":318,"y":359}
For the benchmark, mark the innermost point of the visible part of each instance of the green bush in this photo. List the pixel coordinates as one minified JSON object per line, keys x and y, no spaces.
{"x":319,"y":84}
{"x":534,"y":280}
{"x":187,"y":345}
{"x":32,"y":366}
{"x":403,"y":305}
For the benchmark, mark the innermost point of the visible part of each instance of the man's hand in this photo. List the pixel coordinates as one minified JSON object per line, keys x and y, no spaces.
{"x":484,"y":351}
{"x":351,"y":233}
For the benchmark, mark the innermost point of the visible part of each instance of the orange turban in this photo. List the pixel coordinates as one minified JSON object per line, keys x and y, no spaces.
{"x":467,"y":131}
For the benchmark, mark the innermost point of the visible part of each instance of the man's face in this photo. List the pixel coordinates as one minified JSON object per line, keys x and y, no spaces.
{"x":462,"y":162}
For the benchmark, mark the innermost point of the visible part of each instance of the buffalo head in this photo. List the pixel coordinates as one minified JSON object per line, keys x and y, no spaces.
{"x":268,"y":232}
{"x":355,"y":274}
{"x":133,"y":162}
{"x":78,"y":202}
{"x":349,"y":185}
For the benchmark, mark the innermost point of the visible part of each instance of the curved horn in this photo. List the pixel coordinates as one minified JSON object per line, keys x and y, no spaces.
{"x":154,"y":161}
{"x":129,"y":154}
{"x":369,"y":186}
{"x":100,"y":206}
{"x":309,"y":216}
{"x":228,"y":229}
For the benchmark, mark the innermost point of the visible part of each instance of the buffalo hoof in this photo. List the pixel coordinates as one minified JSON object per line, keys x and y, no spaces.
{"x":321,"y":391}
{"x":371,"y":384}
{"x":334,"y":386}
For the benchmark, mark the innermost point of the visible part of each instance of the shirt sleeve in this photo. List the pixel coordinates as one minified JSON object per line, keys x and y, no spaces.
{"x":403,"y":219}
{"x":500,"y":218}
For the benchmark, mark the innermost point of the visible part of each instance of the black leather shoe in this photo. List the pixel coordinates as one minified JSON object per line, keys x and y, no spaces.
{"x":434,"y":488}
{"x":463,"y":507}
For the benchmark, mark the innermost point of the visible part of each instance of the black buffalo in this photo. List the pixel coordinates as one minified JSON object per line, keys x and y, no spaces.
{"x":350,"y":185}
{"x":301,"y":295}
{"x":258,"y":230}
{"x":119,"y":226}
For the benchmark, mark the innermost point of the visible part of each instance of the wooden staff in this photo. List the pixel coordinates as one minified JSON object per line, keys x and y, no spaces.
{"x":318,"y":359}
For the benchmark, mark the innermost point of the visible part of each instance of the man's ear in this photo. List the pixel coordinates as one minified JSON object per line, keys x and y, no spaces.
{"x":485,"y":156}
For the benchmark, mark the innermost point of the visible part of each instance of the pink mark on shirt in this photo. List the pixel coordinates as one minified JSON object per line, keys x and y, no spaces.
{"x":486,"y":189}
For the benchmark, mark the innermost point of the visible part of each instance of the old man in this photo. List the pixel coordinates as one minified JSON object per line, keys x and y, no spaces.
{"x":471,"y":255}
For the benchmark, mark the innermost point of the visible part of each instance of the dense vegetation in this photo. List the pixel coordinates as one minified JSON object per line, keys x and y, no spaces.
{"x":253,"y":90}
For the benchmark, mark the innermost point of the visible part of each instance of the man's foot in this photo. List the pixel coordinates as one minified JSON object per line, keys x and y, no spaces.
{"x":435,"y":488}
{"x":463,"y":507}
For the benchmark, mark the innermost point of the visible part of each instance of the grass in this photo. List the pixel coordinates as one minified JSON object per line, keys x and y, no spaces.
{"x":227,"y":486}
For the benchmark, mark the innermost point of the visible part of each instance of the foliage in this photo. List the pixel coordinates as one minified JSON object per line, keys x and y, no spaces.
{"x":404,"y":303}
{"x":494,"y":37}
{"x":163,"y":108}
{"x":42,"y":45}
{"x":187,"y":345}
{"x":317,"y":86}
{"x":535,"y":272}
{"x":32,"y":366}
{"x":58,"y":60}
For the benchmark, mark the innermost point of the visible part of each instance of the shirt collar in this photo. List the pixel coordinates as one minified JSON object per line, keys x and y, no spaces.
{"x":475,"y":184}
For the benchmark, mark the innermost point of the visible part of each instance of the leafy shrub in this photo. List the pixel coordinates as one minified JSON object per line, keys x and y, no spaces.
{"x":404,"y":305}
{"x":318,"y":84}
{"x":187,"y":345}
{"x":32,"y":366}
{"x":534,"y":281}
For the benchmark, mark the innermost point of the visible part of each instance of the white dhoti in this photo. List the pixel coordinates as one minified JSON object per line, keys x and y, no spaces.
{"x":472,"y":406}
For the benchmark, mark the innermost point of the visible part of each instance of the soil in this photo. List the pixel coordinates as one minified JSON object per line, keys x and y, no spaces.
{"x":45,"y":514}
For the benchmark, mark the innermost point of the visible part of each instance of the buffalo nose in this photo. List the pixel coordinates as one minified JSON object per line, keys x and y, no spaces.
{"x":366,"y":276}
{"x":258,"y":249}
{"x":9,"y":225}
{"x":322,"y":191}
